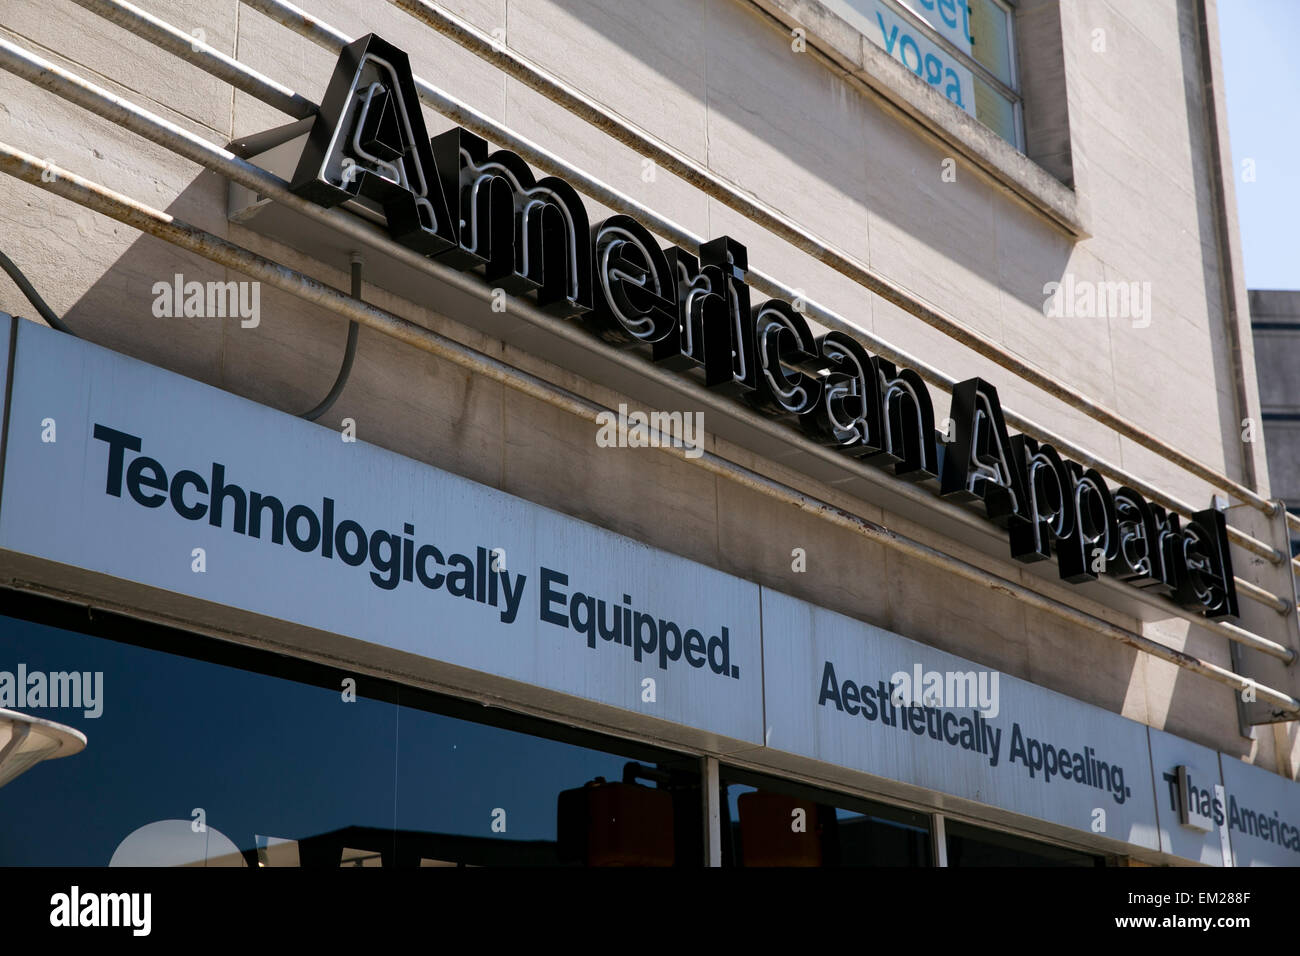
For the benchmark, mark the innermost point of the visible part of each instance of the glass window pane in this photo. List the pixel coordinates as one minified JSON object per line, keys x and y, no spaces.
{"x":990,"y":45}
{"x":975,"y":846}
{"x":771,"y":822}
{"x":255,"y":754}
{"x":901,"y":39}
{"x":979,"y":28}
{"x":197,"y":761}
{"x":482,"y":795}
{"x":995,"y":111}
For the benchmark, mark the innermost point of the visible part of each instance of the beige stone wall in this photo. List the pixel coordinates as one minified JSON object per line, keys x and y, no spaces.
{"x":719,"y":81}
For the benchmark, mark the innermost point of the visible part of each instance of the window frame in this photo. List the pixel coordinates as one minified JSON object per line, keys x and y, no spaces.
{"x":1010,"y":93}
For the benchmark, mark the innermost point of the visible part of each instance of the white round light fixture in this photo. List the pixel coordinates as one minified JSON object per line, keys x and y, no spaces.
{"x":26,"y":740}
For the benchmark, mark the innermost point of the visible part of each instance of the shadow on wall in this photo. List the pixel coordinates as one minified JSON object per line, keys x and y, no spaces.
{"x":165,"y":305}
{"x":963,"y":245}
{"x":873,"y":168}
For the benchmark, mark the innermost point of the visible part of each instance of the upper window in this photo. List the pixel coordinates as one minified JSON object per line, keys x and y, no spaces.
{"x":966,"y":51}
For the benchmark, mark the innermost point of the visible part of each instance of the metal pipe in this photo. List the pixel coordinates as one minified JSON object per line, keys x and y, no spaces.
{"x":704,"y":179}
{"x":466,"y":116}
{"x":349,"y":352}
{"x":1234,"y":632}
{"x":29,"y":291}
{"x":1265,"y":597}
{"x":98,"y":198}
{"x":103,"y":103}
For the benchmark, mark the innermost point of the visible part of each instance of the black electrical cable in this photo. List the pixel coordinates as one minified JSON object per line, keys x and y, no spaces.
{"x":348,"y":355}
{"x":350,"y":352}
{"x":33,"y":296}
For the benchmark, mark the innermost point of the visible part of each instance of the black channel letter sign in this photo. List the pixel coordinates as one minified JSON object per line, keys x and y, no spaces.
{"x":483,"y":211}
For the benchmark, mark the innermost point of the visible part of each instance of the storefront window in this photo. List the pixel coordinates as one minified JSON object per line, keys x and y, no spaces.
{"x":230,"y":756}
{"x":975,"y":846}
{"x":770,"y":822}
{"x":237,"y":757}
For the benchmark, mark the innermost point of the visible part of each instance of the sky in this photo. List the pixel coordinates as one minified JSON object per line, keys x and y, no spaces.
{"x":1262,"y":77}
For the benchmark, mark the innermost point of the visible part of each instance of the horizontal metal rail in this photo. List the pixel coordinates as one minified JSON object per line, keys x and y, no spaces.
{"x":1256,"y":593}
{"x":1293,"y":524}
{"x":330,"y":39}
{"x":575,"y":101}
{"x":158,"y":130}
{"x":1282,"y":605}
{"x":157,"y":223}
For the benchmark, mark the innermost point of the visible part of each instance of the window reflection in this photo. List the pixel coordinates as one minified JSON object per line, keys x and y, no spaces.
{"x":195,"y":759}
{"x":977,"y":846}
{"x":771,"y":822}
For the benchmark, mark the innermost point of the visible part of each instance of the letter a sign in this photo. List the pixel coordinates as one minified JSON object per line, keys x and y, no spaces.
{"x":369,"y":143}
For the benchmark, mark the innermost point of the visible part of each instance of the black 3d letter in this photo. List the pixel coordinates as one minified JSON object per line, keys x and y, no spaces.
{"x":714,"y":322}
{"x":1084,"y":554}
{"x":908,"y":418}
{"x":635,"y":289}
{"x":979,"y":464}
{"x":1050,"y":505}
{"x":1165,"y":548}
{"x":528,"y":235}
{"x":1132,"y":558}
{"x":1209,"y":583}
{"x":787,"y":361}
{"x":368,"y":143}
{"x":847,"y":414}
